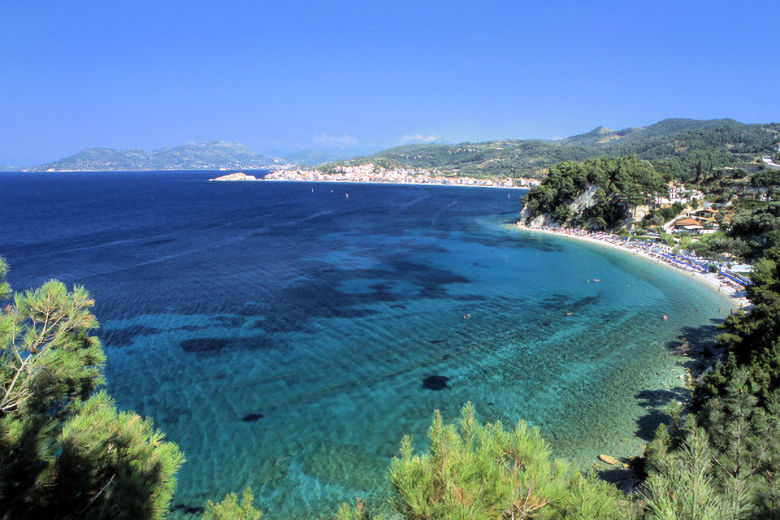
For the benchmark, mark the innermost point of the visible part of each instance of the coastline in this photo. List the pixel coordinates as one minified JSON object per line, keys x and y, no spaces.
{"x":710,"y":280}
{"x":372,"y":173}
{"x":390,"y":183}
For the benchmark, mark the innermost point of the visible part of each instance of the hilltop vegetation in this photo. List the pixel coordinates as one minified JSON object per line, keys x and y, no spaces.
{"x":513,"y":158}
{"x":596,"y":193}
{"x":676,"y":147}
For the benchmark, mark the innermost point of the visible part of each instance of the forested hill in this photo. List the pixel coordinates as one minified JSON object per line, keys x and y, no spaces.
{"x":674,"y":146}
{"x":203,"y":156}
{"x":598,"y":193}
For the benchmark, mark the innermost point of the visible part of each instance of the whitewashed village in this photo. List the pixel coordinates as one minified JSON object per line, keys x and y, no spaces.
{"x":374,"y":173}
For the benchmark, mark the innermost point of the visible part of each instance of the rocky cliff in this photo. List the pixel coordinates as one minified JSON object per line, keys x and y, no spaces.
{"x":584,"y":201}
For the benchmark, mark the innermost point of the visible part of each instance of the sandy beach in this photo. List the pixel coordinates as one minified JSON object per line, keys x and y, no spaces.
{"x":712,"y":280}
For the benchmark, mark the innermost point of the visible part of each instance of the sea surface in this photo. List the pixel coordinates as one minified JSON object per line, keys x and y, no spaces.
{"x":287,"y":335}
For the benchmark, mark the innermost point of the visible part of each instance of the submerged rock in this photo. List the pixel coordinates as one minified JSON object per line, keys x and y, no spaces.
{"x":189,"y":510}
{"x":610,"y":460}
{"x":435,"y":382}
{"x":204,"y":344}
{"x":252,"y":417}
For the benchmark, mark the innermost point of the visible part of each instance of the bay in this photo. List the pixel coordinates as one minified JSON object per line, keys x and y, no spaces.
{"x":287,"y":335}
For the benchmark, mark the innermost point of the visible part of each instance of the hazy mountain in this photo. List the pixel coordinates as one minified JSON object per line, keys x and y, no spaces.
{"x":221,"y":155}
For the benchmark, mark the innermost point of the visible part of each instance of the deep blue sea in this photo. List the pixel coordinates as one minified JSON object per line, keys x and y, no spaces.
{"x":287,"y":335}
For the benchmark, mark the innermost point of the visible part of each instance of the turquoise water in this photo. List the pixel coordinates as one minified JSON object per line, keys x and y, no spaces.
{"x":283,"y":334}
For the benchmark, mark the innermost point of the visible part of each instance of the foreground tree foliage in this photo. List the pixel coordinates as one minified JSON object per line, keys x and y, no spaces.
{"x":65,"y":451}
{"x":231,"y":509}
{"x":684,"y":485}
{"x":476,"y":472}
{"x":356,"y":512}
{"x":753,"y":340}
{"x":723,"y":461}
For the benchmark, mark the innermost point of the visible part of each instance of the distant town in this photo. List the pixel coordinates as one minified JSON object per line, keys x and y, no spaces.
{"x":373,"y":173}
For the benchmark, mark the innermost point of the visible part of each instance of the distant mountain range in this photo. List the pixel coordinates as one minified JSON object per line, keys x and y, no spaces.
{"x":674,"y":146}
{"x":221,"y":155}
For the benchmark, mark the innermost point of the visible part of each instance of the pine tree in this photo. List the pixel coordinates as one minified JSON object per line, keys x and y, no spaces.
{"x":753,"y":340}
{"x":356,"y":512}
{"x":66,"y":452}
{"x":231,"y":509}
{"x":681,"y":486}
{"x":484,"y":472}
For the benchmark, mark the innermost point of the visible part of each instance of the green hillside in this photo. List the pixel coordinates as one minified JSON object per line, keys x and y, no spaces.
{"x":675,"y":147}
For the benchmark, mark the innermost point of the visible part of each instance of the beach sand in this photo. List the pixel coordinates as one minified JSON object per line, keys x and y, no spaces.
{"x":710,"y":279}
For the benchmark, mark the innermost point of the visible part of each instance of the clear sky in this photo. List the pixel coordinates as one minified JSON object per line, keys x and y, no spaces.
{"x":291,"y":75}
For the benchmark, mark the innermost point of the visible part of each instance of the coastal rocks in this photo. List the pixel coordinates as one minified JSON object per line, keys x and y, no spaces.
{"x":640,"y":212}
{"x":577,"y":210}
{"x":584,"y":200}
{"x":538,"y":221}
{"x":238,"y":176}
{"x":542,"y":221}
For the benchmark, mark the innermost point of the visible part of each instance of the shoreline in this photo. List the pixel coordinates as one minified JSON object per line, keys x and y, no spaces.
{"x":398,"y":183}
{"x":710,"y":280}
{"x":371,"y":173}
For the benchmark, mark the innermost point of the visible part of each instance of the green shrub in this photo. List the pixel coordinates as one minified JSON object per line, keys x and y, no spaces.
{"x":231,"y":509}
{"x":484,"y":472}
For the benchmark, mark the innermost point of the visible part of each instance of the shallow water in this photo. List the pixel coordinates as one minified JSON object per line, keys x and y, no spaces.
{"x":287,"y":336}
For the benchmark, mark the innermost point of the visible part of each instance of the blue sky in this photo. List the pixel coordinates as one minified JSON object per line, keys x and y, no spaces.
{"x":281,"y":76}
